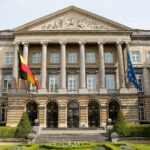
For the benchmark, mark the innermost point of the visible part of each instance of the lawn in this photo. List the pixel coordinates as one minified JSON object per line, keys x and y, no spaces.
{"x":78,"y":146}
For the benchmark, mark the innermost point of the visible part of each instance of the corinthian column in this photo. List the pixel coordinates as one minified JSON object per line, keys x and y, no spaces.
{"x":82,"y":89}
{"x":14,"y":82}
{"x":25,"y":51}
{"x":121,"y":69}
{"x":43,"y":88}
{"x":102,"y":68}
{"x":62,"y":89}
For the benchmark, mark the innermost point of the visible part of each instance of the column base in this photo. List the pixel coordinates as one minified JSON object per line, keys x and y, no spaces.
{"x":62,"y":125}
{"x":133,"y":90}
{"x":123,"y":90}
{"x":42,"y":91}
{"x":83,"y":125}
{"x":17,"y":91}
{"x":83,"y":91}
{"x":102,"y":91}
{"x":62,"y":91}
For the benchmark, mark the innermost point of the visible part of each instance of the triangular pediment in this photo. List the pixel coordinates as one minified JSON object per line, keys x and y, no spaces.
{"x":72,"y":18}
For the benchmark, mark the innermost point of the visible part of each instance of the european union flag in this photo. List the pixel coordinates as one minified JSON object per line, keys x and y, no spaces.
{"x":131,"y":73}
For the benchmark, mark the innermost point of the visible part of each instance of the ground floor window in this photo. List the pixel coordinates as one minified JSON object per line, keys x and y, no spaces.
{"x":3,"y":112}
{"x":141,"y":111}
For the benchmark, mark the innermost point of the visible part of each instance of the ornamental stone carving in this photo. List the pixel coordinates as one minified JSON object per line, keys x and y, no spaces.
{"x":74,"y":23}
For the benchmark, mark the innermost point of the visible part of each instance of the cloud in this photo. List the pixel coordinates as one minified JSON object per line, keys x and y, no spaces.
{"x":21,"y":2}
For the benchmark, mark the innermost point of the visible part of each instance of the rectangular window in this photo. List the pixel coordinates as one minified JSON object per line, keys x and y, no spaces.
{"x":110,"y":82}
{"x":36,"y":58}
{"x":90,"y":57}
{"x":9,"y":58}
{"x":135,"y":57}
{"x":53,"y":82}
{"x":109,"y":58}
{"x":54,"y":58}
{"x":72,"y":57}
{"x":141,"y":111}
{"x":7,"y":82}
{"x":139,"y":80}
{"x":72,"y":82}
{"x":32,"y":87}
{"x":91,"y":82}
{"x":148,"y":57}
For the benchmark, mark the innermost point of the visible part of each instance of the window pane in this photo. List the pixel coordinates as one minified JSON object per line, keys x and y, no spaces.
{"x":135,"y":57}
{"x":142,"y":111}
{"x":33,"y":87}
{"x":36,"y":58}
{"x":139,"y":80}
{"x":9,"y":58}
{"x":90,"y":57}
{"x":54,"y":58}
{"x":72,"y":57}
{"x":149,"y":57}
{"x":53,"y":82}
{"x":72,"y":82}
{"x":110,"y":81}
{"x":91,"y":82}
{"x":7,"y":82}
{"x":108,"y":57}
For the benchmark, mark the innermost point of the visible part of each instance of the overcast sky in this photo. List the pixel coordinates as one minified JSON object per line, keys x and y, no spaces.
{"x":132,"y":13}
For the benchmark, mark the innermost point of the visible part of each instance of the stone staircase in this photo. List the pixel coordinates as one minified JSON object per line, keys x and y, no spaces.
{"x":69,"y":135}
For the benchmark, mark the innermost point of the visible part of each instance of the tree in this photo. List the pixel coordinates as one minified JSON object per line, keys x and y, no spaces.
{"x":24,"y":127}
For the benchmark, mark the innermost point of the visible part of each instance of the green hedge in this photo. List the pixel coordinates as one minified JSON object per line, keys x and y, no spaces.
{"x":140,"y":146}
{"x":33,"y":147}
{"x":7,"y":132}
{"x":111,"y":147}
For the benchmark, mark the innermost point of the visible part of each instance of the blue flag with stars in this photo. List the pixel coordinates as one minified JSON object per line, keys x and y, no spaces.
{"x":131,"y":73}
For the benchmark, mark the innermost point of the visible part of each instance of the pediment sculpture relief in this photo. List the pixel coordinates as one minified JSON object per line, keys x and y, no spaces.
{"x":73,"y":23}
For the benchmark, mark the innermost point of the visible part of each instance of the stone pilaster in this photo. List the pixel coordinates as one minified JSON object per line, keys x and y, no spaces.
{"x":82,"y":89}
{"x":102,"y":68}
{"x":43,"y":88}
{"x":146,"y":82}
{"x":121,"y":69}
{"x":62,"y":89}
{"x":14,"y":84}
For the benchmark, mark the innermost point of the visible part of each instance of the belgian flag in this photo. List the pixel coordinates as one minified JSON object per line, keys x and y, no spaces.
{"x":24,"y":71}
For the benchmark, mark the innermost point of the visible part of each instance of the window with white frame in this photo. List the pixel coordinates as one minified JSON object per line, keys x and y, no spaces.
{"x":91,"y":82}
{"x":135,"y":57}
{"x":141,"y":111}
{"x":53,"y":82}
{"x":7,"y":82}
{"x":139,"y":80}
{"x":90,"y":57}
{"x":36,"y":58}
{"x":72,"y":57}
{"x":148,"y":57}
{"x":110,"y":82}
{"x":9,"y":58}
{"x":33,"y":87}
{"x":54,"y":58}
{"x":72,"y":82}
{"x":109,"y":58}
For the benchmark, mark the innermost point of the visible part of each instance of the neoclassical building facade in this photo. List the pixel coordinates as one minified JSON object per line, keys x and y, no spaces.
{"x":79,"y":60}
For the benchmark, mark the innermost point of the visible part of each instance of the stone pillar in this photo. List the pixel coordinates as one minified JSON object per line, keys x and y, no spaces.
{"x":14,"y":84}
{"x":121,"y":69}
{"x":82,"y":89}
{"x":102,"y":69}
{"x":146,"y":82}
{"x":62,"y":89}
{"x":43,"y":74}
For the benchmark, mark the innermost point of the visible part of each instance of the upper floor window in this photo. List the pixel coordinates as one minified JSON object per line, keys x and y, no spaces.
{"x":9,"y":58}
{"x":141,"y":111}
{"x":72,"y":57}
{"x":110,"y":82}
{"x":36,"y":58}
{"x":139,"y":80}
{"x":53,"y":82}
{"x":7,"y":82}
{"x":109,"y":58}
{"x":72,"y":82}
{"x":90,"y":57}
{"x":33,"y":87}
{"x":148,"y":57}
{"x":91,"y":82}
{"x":135,"y":57}
{"x":54,"y":58}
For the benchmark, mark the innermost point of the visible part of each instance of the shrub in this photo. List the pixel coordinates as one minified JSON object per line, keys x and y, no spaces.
{"x":7,"y":132}
{"x":111,"y":147}
{"x":120,"y":125}
{"x":32,"y":147}
{"x":24,"y":127}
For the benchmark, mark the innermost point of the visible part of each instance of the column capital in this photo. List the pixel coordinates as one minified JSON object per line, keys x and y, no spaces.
{"x":82,"y":42}
{"x":63,"y":42}
{"x":25,"y":43}
{"x":44,"y":43}
{"x":16,"y":43}
{"x":101,"y":42}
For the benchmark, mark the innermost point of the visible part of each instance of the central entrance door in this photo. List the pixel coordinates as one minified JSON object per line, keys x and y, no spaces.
{"x":52,"y":115}
{"x":93,"y":114}
{"x":73,"y":115}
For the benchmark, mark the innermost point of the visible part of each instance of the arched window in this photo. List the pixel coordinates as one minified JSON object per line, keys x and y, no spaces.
{"x":52,"y":115}
{"x":93,"y":114}
{"x":73,"y":115}
{"x":114,"y":108}
{"x":32,"y":111}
